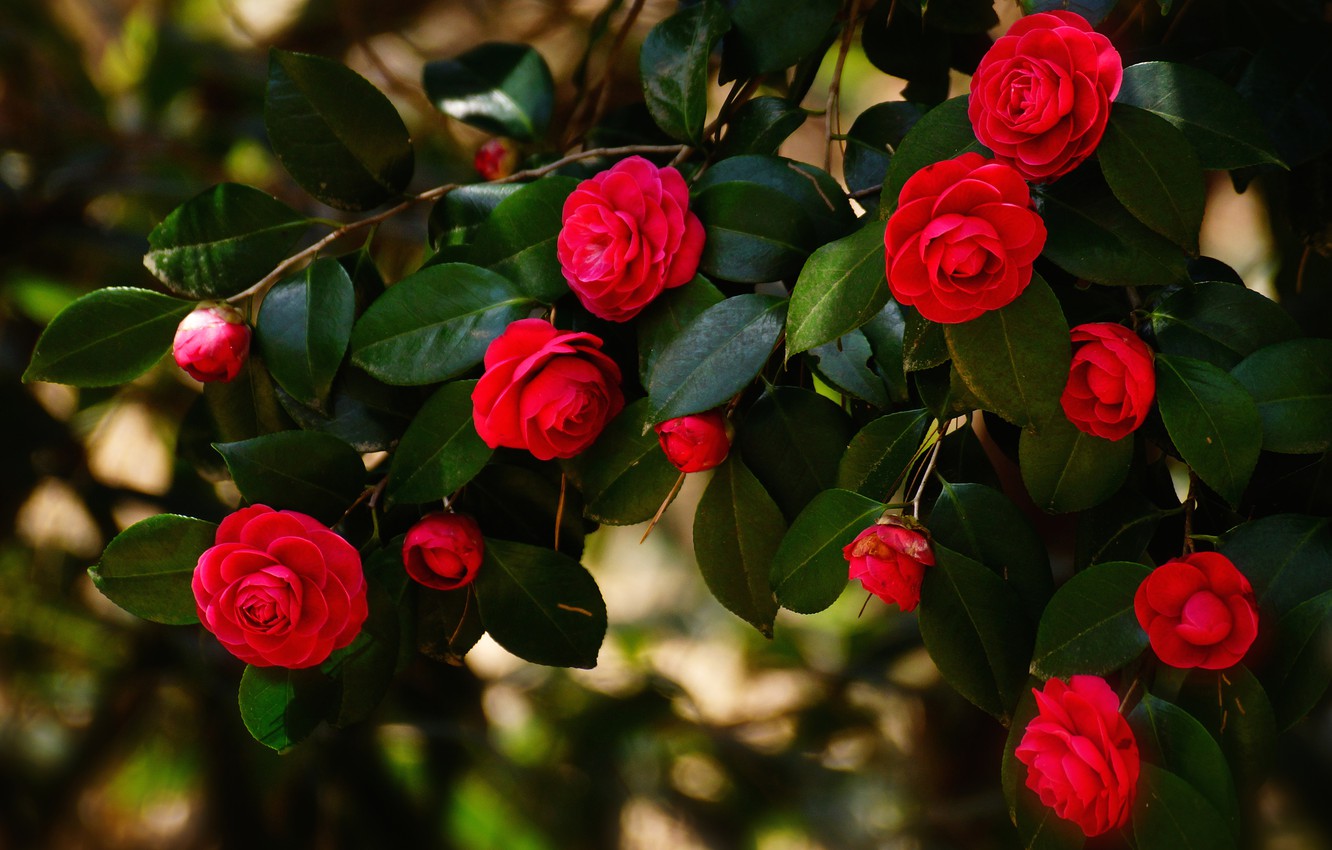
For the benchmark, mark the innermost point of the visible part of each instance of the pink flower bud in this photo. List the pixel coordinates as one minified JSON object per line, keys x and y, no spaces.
{"x":443,"y":550}
{"x":212,"y":342}
{"x":695,"y":443}
{"x":495,"y":159}
{"x":890,"y":562}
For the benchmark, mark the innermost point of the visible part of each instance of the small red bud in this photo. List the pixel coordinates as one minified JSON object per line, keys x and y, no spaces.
{"x":695,"y":443}
{"x":495,"y":159}
{"x":212,"y":343}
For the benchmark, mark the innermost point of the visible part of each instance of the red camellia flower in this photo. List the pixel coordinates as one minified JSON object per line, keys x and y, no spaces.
{"x":1111,"y":383}
{"x":443,"y":550}
{"x":1082,"y":759}
{"x":1198,"y":611}
{"x":495,"y":158}
{"x":279,"y":589}
{"x":890,"y":561}
{"x":627,"y":235}
{"x":211,"y":343}
{"x":695,"y":443}
{"x":545,"y":390}
{"x":1040,"y":98}
{"x":962,"y":239}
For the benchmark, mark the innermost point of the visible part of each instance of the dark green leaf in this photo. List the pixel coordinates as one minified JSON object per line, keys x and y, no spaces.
{"x":521,"y":504}
{"x":1170,"y":814}
{"x":435,"y":324}
{"x":304,"y":327}
{"x":247,"y":406}
{"x":1154,"y":173}
{"x":876,"y":459}
{"x":282,"y":707}
{"x":540,"y":605}
{"x":825,"y":212}
{"x":440,"y":451}
{"x":505,"y":89}
{"x":1219,"y":323}
{"x":942,"y":133}
{"x":1235,"y":710}
{"x":1093,"y":10}
{"x":305,"y":471}
{"x":737,"y":530}
{"x":1172,"y":738}
{"x":1287,"y":558}
{"x":334,"y":132}
{"x":668,"y":314}
{"x":1292,"y":384}
{"x":841,"y":287}
{"x":1016,"y":359}
{"x":809,"y":571}
{"x":364,"y":669}
{"x":924,"y":345}
{"x":1301,"y":666}
{"x":456,"y":217}
{"x":716,"y":355}
{"x":770,"y":35}
{"x":845,"y":364}
{"x":518,"y":239}
{"x":898,"y":41}
{"x":1212,"y":115}
{"x":1289,"y":84}
{"x":1089,"y":626}
{"x":221,"y":241}
{"x":1212,"y":420}
{"x":624,"y":476}
{"x":753,"y":233}
{"x":792,"y":439}
{"x":760,"y":126}
{"x":1068,"y":470}
{"x":449,"y":625}
{"x":107,"y":337}
{"x":147,"y":568}
{"x":870,"y":143}
{"x":1091,"y":235}
{"x":674,"y":67}
{"x":1116,"y":530}
{"x":360,"y":411}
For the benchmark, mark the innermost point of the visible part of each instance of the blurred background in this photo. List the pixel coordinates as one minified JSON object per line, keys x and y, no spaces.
{"x":692,"y":732}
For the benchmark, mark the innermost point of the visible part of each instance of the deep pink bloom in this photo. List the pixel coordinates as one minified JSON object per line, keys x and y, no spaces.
{"x":890,"y":562}
{"x":443,"y":550}
{"x":1198,"y":611}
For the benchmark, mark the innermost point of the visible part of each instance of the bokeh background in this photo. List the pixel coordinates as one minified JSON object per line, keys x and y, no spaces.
{"x":692,"y":732}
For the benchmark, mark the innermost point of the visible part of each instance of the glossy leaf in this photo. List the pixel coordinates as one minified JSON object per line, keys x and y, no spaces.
{"x":792,"y":439}
{"x":221,"y":241}
{"x":1170,"y":814}
{"x":281,"y":707}
{"x":1212,"y":420}
{"x":624,"y":476}
{"x":1089,"y":626}
{"x":435,"y":324}
{"x":757,"y":45}
{"x":505,"y":89}
{"x":1091,"y":236}
{"x":847,"y":364}
{"x":674,"y":66}
{"x":874,"y":136}
{"x":304,"y":471}
{"x":1301,"y":666}
{"x":1172,"y":738}
{"x":841,"y":287}
{"x":737,"y":530}
{"x":148,"y":567}
{"x":363,"y":670}
{"x":876,"y":460}
{"x":1233,"y":707}
{"x":109,"y":336}
{"x":825,"y":212}
{"x":809,"y":571}
{"x":942,"y":133}
{"x":1066,"y":469}
{"x":247,"y":406}
{"x":449,"y":625}
{"x":335,"y":133}
{"x":1154,"y":173}
{"x":540,"y":605}
{"x":1093,"y":10}
{"x":518,"y":239}
{"x":760,"y":126}
{"x":440,"y":451}
{"x":668,"y":314}
{"x":1292,"y":384}
{"x":752,"y":233}
{"x":304,"y":327}
{"x":456,"y":217}
{"x":1219,"y":323}
{"x":1287,"y":558}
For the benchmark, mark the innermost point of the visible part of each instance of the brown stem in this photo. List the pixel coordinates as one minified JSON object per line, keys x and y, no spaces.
{"x":832,"y":115}
{"x":670,"y":497}
{"x":559,"y":510}
{"x":1189,"y":503}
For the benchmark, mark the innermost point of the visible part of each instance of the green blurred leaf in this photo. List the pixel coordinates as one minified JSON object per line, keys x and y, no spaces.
{"x":304,"y":326}
{"x":1066,"y":470}
{"x":674,"y":67}
{"x":809,"y":571}
{"x":221,"y":241}
{"x":792,"y":440}
{"x":435,"y":324}
{"x":841,"y":287}
{"x":1212,"y":420}
{"x":876,"y":460}
{"x":1090,"y":627}
{"x":282,"y":707}
{"x":667,"y":315}
{"x":1301,"y":660}
{"x":335,"y":133}
{"x":1219,"y":322}
{"x":540,"y":605}
{"x":107,"y":337}
{"x":148,"y":567}
{"x":1154,"y":173}
{"x":502,"y":88}
{"x":760,"y":126}
{"x":1170,"y":814}
{"x":440,"y":451}
{"x":770,"y":35}
{"x":624,"y":476}
{"x":942,"y":133}
{"x":1170,"y":737}
{"x":305,"y":471}
{"x":1287,"y":558}
{"x":518,"y":239}
{"x":737,"y":530}
{"x":1235,"y":710}
{"x":1292,"y":384}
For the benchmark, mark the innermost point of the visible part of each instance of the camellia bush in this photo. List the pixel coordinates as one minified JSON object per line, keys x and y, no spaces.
{"x":1002,"y":314}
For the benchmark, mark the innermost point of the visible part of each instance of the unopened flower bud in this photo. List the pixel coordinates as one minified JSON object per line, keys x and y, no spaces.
{"x":443,"y":550}
{"x":495,"y":159}
{"x":212,"y":343}
{"x":695,"y":443}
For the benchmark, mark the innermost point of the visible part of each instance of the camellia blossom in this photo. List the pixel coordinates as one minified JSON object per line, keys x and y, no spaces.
{"x":626,"y":236}
{"x":211,"y":343}
{"x":1082,"y":759}
{"x":1111,"y":382}
{"x":545,"y":390}
{"x":1040,"y":97}
{"x":1198,"y":611}
{"x":443,"y":550}
{"x":696,"y":442}
{"x":279,"y":589}
{"x":963,"y":239}
{"x":889,"y":560}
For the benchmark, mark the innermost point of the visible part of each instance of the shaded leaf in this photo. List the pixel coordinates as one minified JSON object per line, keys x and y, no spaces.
{"x":876,"y":460}
{"x":1154,"y":173}
{"x":518,"y":238}
{"x":304,"y":471}
{"x":440,"y":452}
{"x":1219,"y":323}
{"x":674,"y":66}
{"x":280,"y":707}
{"x":1066,"y":469}
{"x":792,"y":439}
{"x":304,"y":327}
{"x":1090,"y":627}
{"x":148,"y":567}
{"x":624,"y":476}
{"x":1292,"y":385}
{"x":505,"y":89}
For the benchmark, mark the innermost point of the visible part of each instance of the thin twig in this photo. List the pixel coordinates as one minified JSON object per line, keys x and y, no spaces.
{"x":603,"y":87}
{"x":559,"y":510}
{"x":670,"y":497}
{"x":925,"y":478}
{"x":833,"y":113}
{"x":865,"y":193}
{"x":1189,"y":503}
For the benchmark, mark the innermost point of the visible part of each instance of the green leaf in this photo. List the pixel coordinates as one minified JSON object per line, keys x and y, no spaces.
{"x":449,"y":625}
{"x":737,"y":529}
{"x":1292,"y":384}
{"x":148,"y":567}
{"x":876,"y":460}
{"x":898,"y":40}
{"x":540,"y":605}
{"x":1287,"y":558}
{"x":1170,"y":814}
{"x":841,"y":287}
{"x":1235,"y":710}
{"x":871,"y":141}
{"x":792,"y":439}
{"x":107,"y":337}
{"x":809,"y":571}
{"x":770,"y":35}
{"x":1154,"y":173}
{"x":440,"y":451}
{"x":752,"y":233}
{"x":825,"y":213}
{"x":360,"y":411}
{"x":304,"y":327}
{"x":1089,"y":626}
{"x":221,"y":241}
{"x":674,"y":67}
{"x":1116,"y":530}
{"x":1093,"y":10}
{"x":760,"y":126}
{"x":304,"y":471}
{"x":973,"y":627}
{"x":983,"y":524}
{"x":716,"y":355}
{"x":363,"y":670}
{"x":942,"y":133}
{"x":334,"y":132}
{"x":1211,"y":115}
{"x":1288,"y":83}
{"x":624,"y":476}
{"x":845,"y":364}
{"x":505,"y":89}
{"x":667,"y":315}
{"x":1091,"y":236}
{"x":435,"y":324}
{"x":924,"y":344}
{"x":1172,"y":738}
{"x":1212,"y":420}
{"x":518,"y":239}
{"x":1015,"y":360}
{"x":1301,"y":666}
{"x":1219,"y":322}
{"x":456,"y":217}
{"x":1068,"y":470}
{"x":282,"y":707}
{"x":521,"y":504}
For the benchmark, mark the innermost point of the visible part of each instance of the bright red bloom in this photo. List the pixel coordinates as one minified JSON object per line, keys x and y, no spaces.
{"x":1111,"y":383}
{"x":695,"y":443}
{"x":1198,"y":611}
{"x":890,"y":561}
{"x":443,"y":550}
{"x":212,"y":343}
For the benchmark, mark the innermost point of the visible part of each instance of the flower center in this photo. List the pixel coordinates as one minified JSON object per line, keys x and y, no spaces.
{"x":1205,"y":619}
